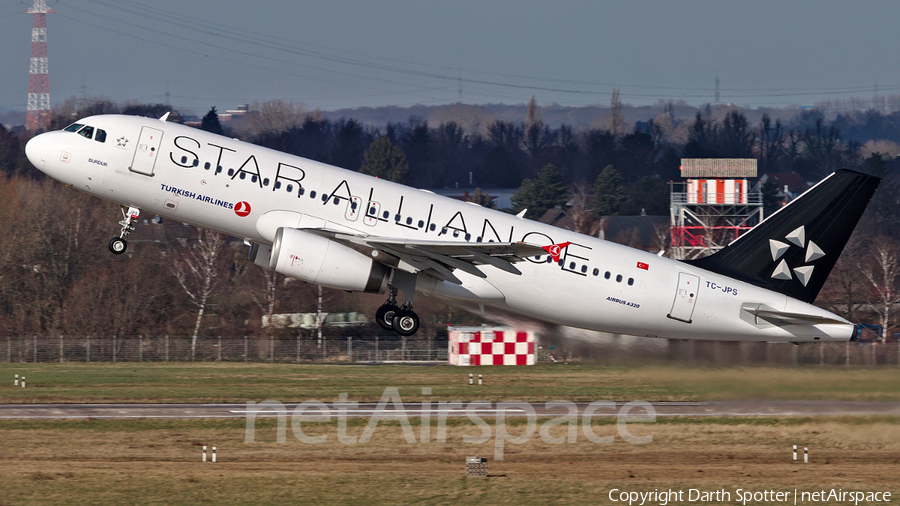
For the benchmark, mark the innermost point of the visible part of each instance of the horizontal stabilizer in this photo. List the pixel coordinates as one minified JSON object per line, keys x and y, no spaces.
{"x":781,"y":318}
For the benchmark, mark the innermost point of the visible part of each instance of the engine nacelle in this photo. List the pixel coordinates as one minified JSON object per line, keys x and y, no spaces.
{"x":261,"y":255}
{"x":319,"y":260}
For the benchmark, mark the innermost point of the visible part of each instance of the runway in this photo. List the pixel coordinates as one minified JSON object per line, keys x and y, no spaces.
{"x":437,"y":408}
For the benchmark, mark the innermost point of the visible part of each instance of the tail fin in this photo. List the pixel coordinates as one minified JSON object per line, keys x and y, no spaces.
{"x":793,"y":250}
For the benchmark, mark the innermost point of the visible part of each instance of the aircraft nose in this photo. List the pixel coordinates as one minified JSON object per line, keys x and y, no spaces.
{"x":36,"y":150}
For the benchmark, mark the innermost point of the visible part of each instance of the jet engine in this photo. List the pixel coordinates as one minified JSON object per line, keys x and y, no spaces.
{"x":319,"y":260}
{"x":260,"y":254}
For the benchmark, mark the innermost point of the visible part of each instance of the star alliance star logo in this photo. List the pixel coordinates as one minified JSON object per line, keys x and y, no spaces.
{"x":795,"y":238}
{"x":121,"y":142}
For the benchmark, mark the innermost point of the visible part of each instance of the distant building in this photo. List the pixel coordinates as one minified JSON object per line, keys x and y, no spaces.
{"x":789,"y":184}
{"x":237,"y":112}
{"x":308,"y":320}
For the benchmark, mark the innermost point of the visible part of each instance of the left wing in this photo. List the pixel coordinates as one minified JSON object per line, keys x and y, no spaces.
{"x":438,"y":258}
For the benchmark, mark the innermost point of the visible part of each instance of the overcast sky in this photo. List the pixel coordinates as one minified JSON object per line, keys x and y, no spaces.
{"x":350,"y":53}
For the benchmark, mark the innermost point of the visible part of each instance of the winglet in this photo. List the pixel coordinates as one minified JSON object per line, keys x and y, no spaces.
{"x":522,"y":214}
{"x":164,"y":117}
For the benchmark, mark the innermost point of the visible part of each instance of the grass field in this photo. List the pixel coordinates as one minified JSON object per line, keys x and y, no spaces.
{"x":239,"y":382}
{"x":158,"y":462}
{"x":109,"y":462}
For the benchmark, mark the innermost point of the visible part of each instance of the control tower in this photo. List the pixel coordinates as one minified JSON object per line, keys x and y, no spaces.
{"x":713,"y":205}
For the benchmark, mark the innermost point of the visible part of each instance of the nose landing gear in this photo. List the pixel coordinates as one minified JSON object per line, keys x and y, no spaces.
{"x":117,"y":245}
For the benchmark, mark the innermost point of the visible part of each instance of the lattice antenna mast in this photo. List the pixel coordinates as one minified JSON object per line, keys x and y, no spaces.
{"x":38,"y":116}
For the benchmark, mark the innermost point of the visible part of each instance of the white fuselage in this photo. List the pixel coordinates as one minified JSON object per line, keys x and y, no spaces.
{"x":642,"y":294}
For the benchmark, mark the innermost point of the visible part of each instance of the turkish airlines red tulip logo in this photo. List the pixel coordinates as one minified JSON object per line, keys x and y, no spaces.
{"x":555,"y":250}
{"x":242,"y":209}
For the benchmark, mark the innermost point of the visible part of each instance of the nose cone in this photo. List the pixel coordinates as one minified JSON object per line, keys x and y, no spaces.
{"x":36,"y":150}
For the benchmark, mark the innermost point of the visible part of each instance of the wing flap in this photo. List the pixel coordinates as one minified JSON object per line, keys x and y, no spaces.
{"x":440,"y":258}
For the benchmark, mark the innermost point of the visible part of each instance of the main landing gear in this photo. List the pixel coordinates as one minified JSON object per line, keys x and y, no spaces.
{"x":400,"y":319}
{"x":118,"y":244}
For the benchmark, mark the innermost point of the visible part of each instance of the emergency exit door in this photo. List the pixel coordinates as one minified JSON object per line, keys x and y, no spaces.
{"x":147,"y":151}
{"x":685,"y":297}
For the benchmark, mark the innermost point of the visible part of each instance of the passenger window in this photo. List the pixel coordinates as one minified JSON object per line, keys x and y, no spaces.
{"x":101,"y":135}
{"x":87,"y":132}
{"x":74,"y":127}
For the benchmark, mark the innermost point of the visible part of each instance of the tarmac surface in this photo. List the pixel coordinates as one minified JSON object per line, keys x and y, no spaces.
{"x":436,"y":408}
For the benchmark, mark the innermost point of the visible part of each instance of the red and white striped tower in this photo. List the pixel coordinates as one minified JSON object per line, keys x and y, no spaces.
{"x":38,"y":116}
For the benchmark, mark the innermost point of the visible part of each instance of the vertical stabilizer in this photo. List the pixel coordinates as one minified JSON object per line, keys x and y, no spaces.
{"x":793,"y":250}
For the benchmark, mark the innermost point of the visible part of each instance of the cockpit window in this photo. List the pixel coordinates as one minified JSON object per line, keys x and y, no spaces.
{"x":101,"y":135}
{"x":74,"y":127}
{"x":87,"y":132}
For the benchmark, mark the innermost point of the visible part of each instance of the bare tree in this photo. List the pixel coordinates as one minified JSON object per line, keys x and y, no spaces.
{"x":844,"y":291}
{"x":265,"y":294}
{"x":533,"y":135}
{"x":616,"y":116}
{"x":197,"y":271}
{"x":882,"y":270}
{"x":270,"y":116}
{"x":580,"y":212}
{"x":662,"y":238}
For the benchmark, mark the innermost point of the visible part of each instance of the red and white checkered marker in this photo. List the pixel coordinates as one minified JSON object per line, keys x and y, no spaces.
{"x":491,"y":347}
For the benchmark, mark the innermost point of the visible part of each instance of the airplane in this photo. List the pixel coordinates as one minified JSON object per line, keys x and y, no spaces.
{"x":341,"y":229}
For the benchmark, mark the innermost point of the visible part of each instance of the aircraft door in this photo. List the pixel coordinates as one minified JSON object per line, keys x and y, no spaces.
{"x":685,"y":297}
{"x":147,"y":151}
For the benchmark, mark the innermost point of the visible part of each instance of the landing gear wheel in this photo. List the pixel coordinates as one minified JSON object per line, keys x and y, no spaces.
{"x":385,"y":316}
{"x":117,"y":245}
{"x":406,"y":322}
